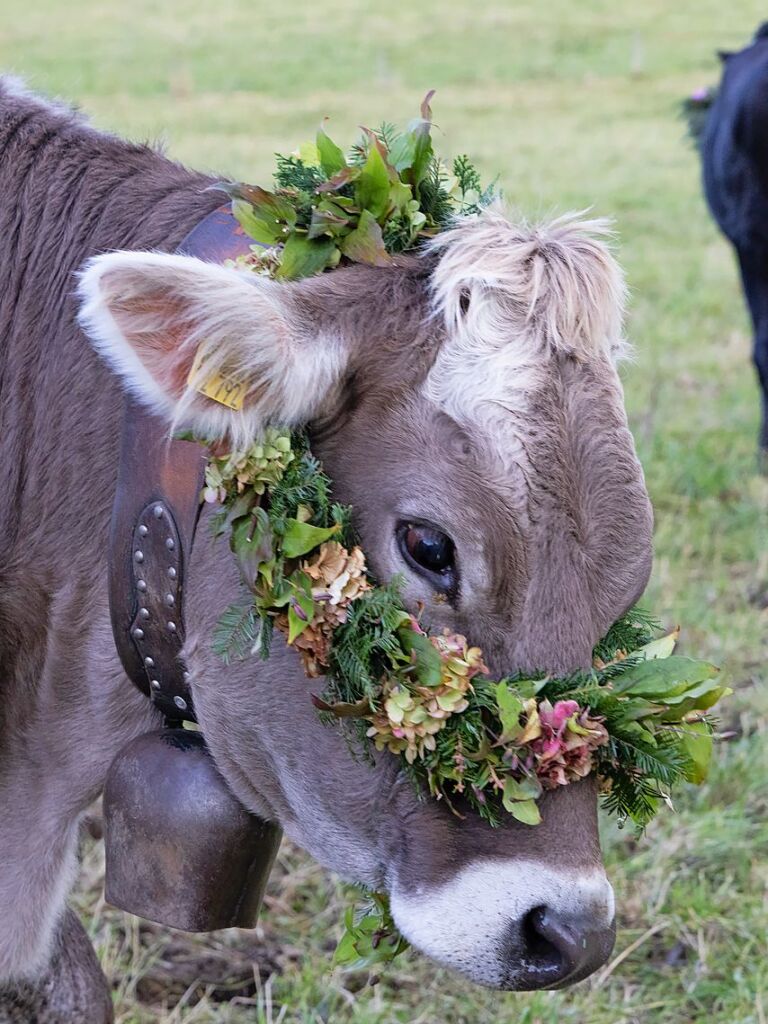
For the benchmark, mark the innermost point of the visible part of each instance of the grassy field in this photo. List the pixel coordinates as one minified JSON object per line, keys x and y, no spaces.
{"x":575,"y":106}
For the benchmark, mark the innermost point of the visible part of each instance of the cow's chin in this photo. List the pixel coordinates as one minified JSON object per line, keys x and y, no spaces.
{"x":514,"y":925}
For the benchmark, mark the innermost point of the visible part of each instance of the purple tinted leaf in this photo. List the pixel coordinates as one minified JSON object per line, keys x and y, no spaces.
{"x":366,"y":244}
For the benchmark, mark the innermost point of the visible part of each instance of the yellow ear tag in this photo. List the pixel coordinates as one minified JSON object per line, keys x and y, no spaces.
{"x":220,"y":387}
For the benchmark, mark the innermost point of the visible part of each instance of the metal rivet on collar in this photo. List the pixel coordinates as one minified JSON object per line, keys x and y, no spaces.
{"x":149,"y":662}
{"x":180,"y":703}
{"x":144,"y":613}
{"x":171,"y":627}
{"x":157,"y":511}
{"x":143,"y":530}
{"x":141,"y":585}
{"x":139,"y":556}
{"x":170,"y":544}
{"x":138,"y":633}
{"x":170,"y":600}
{"x":172,"y":573}
{"x":155,"y":684}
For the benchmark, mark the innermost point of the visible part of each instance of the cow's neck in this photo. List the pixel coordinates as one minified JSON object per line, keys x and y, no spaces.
{"x":68,"y":192}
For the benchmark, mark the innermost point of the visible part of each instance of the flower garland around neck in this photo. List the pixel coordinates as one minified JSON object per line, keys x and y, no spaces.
{"x":637,"y":719}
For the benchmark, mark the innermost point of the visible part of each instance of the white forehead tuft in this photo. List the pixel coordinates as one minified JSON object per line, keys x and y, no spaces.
{"x":511,"y":297}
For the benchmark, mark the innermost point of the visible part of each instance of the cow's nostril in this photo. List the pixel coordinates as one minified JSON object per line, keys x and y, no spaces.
{"x":536,"y":943}
{"x":557,"y":950}
{"x":541,"y":955}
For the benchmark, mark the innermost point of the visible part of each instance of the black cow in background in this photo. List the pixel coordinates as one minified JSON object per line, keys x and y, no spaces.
{"x":734,"y":155}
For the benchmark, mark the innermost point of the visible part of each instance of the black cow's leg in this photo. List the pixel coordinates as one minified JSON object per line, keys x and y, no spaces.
{"x":72,"y":989}
{"x":761,"y":365}
{"x":754,"y":275}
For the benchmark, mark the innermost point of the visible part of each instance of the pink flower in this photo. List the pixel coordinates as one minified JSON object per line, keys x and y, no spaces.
{"x":556,"y":717}
{"x":561,"y":739}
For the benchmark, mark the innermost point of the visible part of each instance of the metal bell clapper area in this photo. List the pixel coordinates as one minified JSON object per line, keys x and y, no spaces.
{"x":181,"y":850}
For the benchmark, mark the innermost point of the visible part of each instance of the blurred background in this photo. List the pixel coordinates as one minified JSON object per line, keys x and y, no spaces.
{"x":574,"y":106}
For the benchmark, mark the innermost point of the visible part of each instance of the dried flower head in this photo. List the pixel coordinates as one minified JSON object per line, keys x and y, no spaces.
{"x":337,"y":579}
{"x":557,"y":742}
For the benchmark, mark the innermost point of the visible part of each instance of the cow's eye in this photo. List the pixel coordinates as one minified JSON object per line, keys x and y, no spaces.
{"x":427,"y":548}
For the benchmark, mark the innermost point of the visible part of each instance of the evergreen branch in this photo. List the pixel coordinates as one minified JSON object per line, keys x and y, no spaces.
{"x":237,"y":633}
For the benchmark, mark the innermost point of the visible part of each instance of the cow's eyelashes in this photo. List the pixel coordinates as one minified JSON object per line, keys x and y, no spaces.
{"x":430,"y":552}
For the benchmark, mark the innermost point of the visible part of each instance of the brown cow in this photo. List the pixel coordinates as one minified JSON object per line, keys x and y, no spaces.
{"x":469,"y":392}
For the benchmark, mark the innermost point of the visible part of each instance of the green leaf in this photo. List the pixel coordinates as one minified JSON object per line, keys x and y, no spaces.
{"x":269,"y":204}
{"x":661,"y":648}
{"x":299,"y":618}
{"x":403,"y":152}
{"x":429,"y":668}
{"x":703,"y":698}
{"x":633,"y":732}
{"x":526,"y":811}
{"x":263,"y":215}
{"x":331,"y":157}
{"x":300,"y":538}
{"x":515,"y":790}
{"x":309,"y":154}
{"x":266,"y":232}
{"x":423,"y":154}
{"x":370,"y":941}
{"x":372,"y":187}
{"x":695,"y":739}
{"x":328,"y":219}
{"x":401,"y":198}
{"x":366,"y":244}
{"x":252,"y":543}
{"x":244,"y":505}
{"x":338,"y":181}
{"x":659,"y":680}
{"x":303,"y":257}
{"x":510,"y":708}
{"x":411,"y":152}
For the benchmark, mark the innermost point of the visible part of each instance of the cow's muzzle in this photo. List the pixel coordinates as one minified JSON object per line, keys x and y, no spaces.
{"x":552,"y":950}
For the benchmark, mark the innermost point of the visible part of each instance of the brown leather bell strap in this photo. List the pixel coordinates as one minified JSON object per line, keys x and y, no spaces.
{"x":154,"y":518}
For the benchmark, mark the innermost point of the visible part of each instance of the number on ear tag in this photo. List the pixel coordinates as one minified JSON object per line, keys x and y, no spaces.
{"x":219,"y":387}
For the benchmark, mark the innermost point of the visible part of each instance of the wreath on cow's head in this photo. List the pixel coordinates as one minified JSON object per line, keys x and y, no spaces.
{"x":637,"y":719}
{"x":386,"y":196}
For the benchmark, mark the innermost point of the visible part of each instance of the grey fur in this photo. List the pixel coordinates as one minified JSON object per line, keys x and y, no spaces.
{"x":71,"y":991}
{"x":558,"y":552}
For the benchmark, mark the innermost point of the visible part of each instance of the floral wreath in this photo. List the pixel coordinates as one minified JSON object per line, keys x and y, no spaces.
{"x":637,"y":719}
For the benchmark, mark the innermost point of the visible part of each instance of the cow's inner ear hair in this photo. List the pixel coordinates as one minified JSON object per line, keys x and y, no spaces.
{"x":168,"y":324}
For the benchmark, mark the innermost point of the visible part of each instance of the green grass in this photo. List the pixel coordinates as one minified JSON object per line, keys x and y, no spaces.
{"x":575,"y":106}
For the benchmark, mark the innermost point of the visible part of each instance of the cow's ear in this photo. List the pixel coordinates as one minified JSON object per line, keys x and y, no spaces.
{"x":213,"y":349}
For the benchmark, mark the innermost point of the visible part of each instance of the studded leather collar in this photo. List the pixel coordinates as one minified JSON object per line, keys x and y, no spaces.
{"x":154,"y":519}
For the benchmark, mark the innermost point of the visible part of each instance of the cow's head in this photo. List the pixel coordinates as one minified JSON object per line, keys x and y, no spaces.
{"x":466,"y":403}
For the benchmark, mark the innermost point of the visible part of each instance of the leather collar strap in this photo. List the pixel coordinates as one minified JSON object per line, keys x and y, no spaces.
{"x":154,"y":518}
